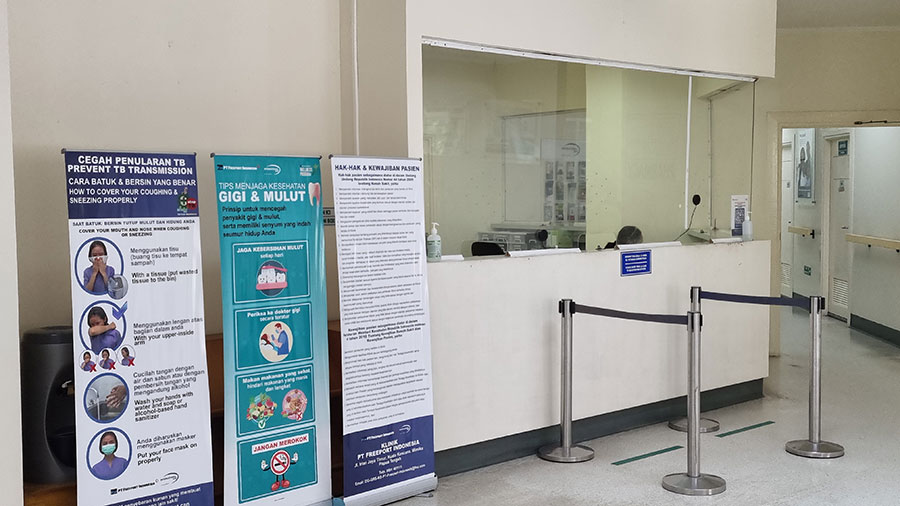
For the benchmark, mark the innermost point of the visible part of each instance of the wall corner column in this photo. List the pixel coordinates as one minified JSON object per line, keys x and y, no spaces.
{"x":11,"y":424}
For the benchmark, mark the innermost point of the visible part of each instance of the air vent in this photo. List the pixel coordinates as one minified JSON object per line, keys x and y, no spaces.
{"x":840,"y":292}
{"x":785,"y":274}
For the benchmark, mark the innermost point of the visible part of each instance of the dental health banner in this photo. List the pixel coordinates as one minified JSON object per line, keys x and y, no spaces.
{"x":141,"y":385}
{"x":277,"y":445}
{"x":385,"y":337}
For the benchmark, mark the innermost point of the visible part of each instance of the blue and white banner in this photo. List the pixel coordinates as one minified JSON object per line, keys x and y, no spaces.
{"x":141,"y":385}
{"x":385,"y":337}
{"x":277,"y":446}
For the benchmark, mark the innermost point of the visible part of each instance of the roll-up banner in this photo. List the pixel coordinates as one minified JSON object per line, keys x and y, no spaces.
{"x":141,"y":386}
{"x":277,"y":445}
{"x":385,"y":339}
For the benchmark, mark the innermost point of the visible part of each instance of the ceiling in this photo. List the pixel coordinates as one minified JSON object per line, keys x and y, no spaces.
{"x":838,"y":13}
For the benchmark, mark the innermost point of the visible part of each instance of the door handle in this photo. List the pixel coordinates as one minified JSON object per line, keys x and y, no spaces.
{"x":845,"y":228}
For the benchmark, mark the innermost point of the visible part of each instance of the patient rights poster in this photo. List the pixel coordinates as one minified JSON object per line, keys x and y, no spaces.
{"x":277,"y":445}
{"x":385,"y":338}
{"x":141,"y":386}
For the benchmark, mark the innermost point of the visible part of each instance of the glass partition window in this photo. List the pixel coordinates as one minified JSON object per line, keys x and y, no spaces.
{"x":528,"y":153}
{"x":721,"y":133}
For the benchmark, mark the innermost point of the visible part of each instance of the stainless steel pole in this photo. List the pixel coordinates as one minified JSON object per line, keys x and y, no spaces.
{"x":566,"y":452}
{"x":565,"y":379}
{"x":814,"y":447}
{"x":693,"y":482}
{"x":706,"y":424}
{"x":815,"y":367}
{"x":693,"y":396}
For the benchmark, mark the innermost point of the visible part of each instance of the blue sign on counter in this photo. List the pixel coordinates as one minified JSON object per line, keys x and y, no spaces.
{"x":635,"y":262}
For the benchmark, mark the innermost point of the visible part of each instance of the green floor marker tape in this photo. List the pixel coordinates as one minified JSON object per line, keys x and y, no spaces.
{"x":745,"y":429}
{"x":644,"y":456}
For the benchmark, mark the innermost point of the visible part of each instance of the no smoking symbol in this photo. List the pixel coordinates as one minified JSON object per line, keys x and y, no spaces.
{"x":280,"y":462}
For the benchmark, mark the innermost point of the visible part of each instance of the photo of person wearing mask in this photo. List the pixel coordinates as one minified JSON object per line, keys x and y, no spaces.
{"x":103,"y":334}
{"x":127,"y":359}
{"x":109,"y":466}
{"x":96,"y":277}
{"x":106,"y":362}
{"x":88,"y":364}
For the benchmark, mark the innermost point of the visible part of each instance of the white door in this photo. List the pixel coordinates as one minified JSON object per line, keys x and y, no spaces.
{"x":787,"y":217}
{"x":839,"y":225}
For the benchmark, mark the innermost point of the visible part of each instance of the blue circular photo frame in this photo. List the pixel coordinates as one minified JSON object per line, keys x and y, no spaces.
{"x":82,"y":322}
{"x":127,"y":397}
{"x":79,"y":253}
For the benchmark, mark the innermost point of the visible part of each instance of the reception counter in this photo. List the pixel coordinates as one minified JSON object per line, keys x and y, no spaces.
{"x":495,"y":334}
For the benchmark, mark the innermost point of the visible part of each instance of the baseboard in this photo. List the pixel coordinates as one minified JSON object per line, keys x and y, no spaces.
{"x":837,"y":317}
{"x":466,"y":458}
{"x":878,"y":330}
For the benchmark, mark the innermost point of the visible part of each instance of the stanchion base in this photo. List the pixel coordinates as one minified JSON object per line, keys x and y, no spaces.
{"x":705,"y":484}
{"x":706,"y":425}
{"x":820,"y":450}
{"x":577,"y":453}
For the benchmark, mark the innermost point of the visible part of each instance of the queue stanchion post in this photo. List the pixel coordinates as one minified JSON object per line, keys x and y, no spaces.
{"x":693,"y":482}
{"x":814,"y":447}
{"x":566,"y":452}
{"x":706,"y":424}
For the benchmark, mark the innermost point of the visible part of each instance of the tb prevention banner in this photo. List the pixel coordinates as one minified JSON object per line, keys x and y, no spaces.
{"x":385,"y":336}
{"x":141,"y":386}
{"x":277,"y":445}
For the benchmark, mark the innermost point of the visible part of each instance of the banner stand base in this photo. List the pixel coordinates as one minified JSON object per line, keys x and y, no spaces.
{"x":392,"y":493}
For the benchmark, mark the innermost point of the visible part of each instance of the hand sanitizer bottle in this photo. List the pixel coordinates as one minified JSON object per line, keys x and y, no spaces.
{"x":433,"y":244}
{"x":747,"y":229}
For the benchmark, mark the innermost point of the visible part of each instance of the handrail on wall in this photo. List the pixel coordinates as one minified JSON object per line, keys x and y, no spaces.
{"x":804,"y":231}
{"x":870,"y":241}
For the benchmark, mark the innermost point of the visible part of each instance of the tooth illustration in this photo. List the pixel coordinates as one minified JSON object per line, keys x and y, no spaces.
{"x":315,"y":192}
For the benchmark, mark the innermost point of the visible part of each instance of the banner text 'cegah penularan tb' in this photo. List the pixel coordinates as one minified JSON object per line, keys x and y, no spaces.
{"x":141,"y":387}
{"x":277,"y":446}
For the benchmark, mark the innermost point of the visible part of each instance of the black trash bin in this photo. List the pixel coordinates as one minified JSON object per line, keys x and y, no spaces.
{"x":48,"y":405}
